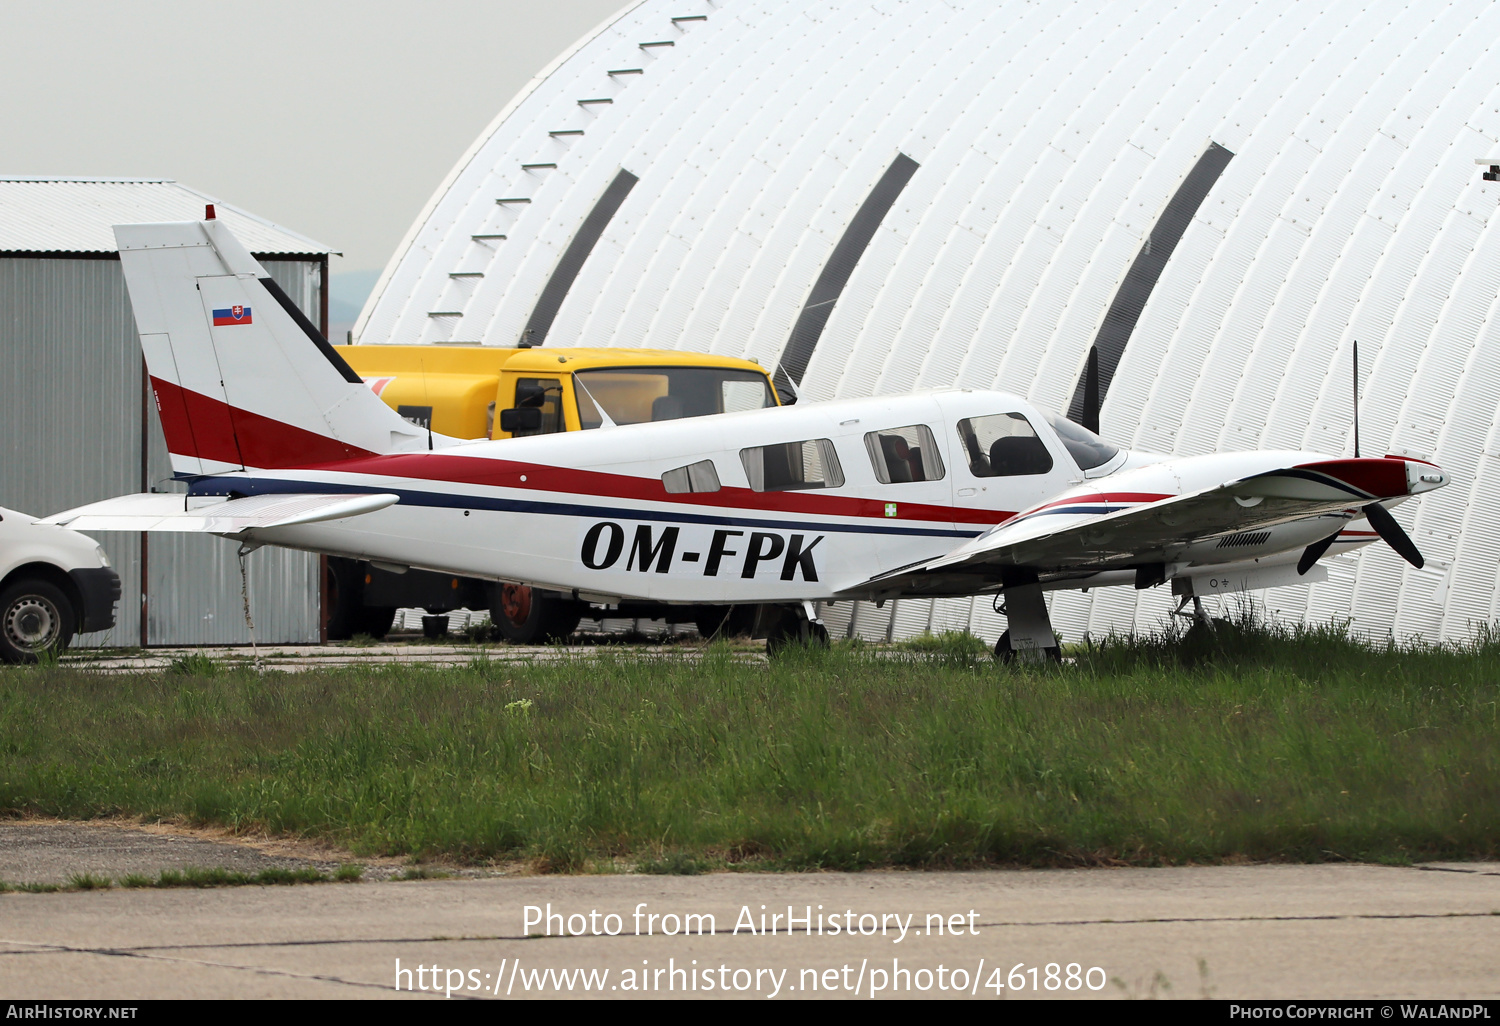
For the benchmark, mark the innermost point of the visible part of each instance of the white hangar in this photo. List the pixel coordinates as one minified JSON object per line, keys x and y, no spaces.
{"x":882,"y":195}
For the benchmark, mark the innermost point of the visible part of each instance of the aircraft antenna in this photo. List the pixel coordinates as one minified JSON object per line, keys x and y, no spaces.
{"x":422,"y":363}
{"x":1356,"y":398}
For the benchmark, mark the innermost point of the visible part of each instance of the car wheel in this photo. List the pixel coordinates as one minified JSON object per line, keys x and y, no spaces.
{"x":525,"y":616}
{"x":35,"y":617}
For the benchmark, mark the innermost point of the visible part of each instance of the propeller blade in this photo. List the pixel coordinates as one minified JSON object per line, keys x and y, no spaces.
{"x":1314,"y":552}
{"x":1380,"y":518}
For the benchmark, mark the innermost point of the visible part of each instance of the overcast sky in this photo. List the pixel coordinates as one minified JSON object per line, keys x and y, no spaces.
{"x":336,"y":118}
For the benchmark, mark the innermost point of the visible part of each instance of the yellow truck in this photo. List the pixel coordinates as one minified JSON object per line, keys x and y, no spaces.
{"x":493,"y":392}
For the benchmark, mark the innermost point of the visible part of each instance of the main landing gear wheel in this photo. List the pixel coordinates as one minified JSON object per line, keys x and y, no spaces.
{"x":1005,"y":654}
{"x":793,"y":627}
{"x":35,"y":617}
{"x":525,"y":616}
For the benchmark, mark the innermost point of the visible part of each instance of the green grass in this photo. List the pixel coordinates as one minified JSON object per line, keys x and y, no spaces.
{"x":192,"y":876}
{"x":1254,"y":745}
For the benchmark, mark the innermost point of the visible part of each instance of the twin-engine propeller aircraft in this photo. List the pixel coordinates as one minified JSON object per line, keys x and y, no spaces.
{"x":947,"y":492}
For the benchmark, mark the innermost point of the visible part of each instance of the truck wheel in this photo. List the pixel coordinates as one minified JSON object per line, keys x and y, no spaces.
{"x":525,"y":616}
{"x":346,"y":590}
{"x":35,"y":617}
{"x":376,"y":621}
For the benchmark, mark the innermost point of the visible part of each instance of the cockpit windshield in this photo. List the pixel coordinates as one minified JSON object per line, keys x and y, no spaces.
{"x":1087,"y":449}
{"x":636,"y":395}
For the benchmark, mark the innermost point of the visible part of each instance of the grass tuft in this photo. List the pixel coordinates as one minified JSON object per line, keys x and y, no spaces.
{"x":422,"y":873}
{"x":678,"y":863}
{"x":198,"y":876}
{"x":194,"y":664}
{"x":88,"y":882}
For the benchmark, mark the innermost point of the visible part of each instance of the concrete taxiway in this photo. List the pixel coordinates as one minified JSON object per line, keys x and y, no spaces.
{"x":1268,"y":931}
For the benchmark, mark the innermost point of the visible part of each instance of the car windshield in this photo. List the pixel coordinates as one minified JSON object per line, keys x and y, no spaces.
{"x":1087,"y":449}
{"x":635,"y":395}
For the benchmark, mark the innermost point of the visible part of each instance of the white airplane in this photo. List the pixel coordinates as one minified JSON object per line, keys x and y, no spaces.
{"x":944,"y":492}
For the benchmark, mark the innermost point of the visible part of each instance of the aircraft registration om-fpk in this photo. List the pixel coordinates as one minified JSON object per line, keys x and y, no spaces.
{"x":946,"y":492}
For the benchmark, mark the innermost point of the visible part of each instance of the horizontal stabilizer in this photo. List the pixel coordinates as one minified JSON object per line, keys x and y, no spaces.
{"x":167,"y":512}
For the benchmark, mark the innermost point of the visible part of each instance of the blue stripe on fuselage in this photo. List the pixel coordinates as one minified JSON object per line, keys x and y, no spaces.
{"x":442,"y":500}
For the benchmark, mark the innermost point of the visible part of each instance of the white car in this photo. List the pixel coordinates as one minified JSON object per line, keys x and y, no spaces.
{"x":54,"y":583}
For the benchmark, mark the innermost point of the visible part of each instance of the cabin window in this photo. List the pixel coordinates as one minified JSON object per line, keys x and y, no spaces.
{"x":792,"y":466}
{"x":543,"y":394}
{"x":904,"y":454}
{"x":1004,"y":445}
{"x":695,"y":477}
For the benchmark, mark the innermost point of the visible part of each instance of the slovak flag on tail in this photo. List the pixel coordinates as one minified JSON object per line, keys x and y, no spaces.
{"x":233,"y":315}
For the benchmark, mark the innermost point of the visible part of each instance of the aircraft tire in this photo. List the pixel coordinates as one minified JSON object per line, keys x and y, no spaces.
{"x":1203,"y":637}
{"x":35,"y":617}
{"x":525,"y":616}
{"x":791,"y":628}
{"x":1005,"y":654}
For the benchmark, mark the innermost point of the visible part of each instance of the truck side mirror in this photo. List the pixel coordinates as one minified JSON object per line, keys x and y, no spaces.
{"x":517,"y":421}
{"x":530,"y":395}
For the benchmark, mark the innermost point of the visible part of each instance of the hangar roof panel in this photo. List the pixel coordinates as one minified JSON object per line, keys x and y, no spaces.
{"x":76,"y":215}
{"x":1050,"y":211}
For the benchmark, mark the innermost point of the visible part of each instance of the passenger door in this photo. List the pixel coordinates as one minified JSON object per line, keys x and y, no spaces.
{"x":1006,"y":461}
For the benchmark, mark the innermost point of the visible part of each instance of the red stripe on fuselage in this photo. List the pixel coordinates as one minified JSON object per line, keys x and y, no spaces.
{"x":202,"y":427}
{"x":199,"y":426}
{"x":496,"y":473}
{"x":1100,"y":497}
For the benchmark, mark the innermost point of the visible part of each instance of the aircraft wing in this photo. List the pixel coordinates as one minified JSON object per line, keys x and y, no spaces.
{"x":168,"y":512}
{"x":1096,"y":528}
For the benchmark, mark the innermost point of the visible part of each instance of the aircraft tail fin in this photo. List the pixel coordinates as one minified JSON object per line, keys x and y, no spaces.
{"x":242,"y":378}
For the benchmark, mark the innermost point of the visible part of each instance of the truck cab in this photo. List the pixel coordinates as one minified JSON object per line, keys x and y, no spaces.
{"x":476,"y":392}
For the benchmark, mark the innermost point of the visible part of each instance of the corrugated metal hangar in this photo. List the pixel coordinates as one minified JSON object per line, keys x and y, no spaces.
{"x":876,"y":195}
{"x":76,"y":421}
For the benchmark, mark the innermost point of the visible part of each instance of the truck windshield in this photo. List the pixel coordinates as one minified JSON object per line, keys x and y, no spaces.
{"x":635,"y":395}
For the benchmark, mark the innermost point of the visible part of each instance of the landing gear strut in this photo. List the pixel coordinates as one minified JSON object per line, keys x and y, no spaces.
{"x":1205,"y":631}
{"x":1028,"y":636}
